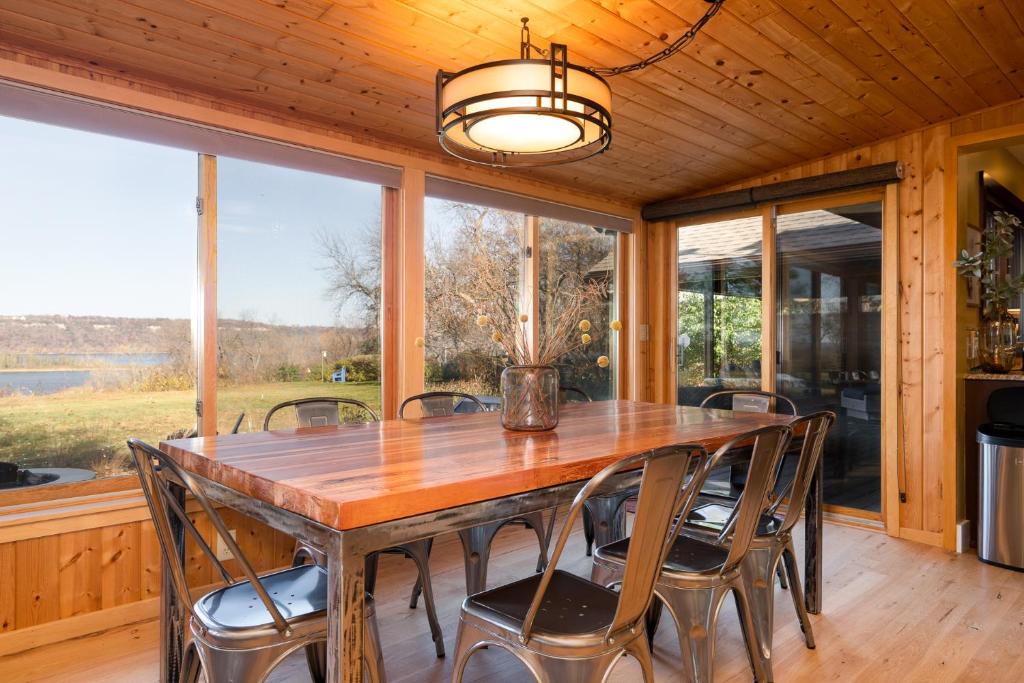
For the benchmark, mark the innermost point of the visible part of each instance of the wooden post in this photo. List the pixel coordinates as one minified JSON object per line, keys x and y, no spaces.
{"x":529,"y":281}
{"x":204,"y":337}
{"x":411,"y":323}
{"x":769,"y":300}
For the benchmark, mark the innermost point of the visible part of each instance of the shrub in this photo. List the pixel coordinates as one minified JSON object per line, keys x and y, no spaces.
{"x":288,"y":372}
{"x":362,"y":368}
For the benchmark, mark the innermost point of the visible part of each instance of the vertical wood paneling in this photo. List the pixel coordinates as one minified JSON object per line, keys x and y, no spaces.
{"x":8,"y":587}
{"x":80,"y":563}
{"x":37,"y":577}
{"x":935,"y":261}
{"x":908,"y":149}
{"x":121,"y":564}
{"x":149,"y":561}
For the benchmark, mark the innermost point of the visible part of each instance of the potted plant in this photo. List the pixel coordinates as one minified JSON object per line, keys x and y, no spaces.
{"x":530,"y":383}
{"x":998,"y":287}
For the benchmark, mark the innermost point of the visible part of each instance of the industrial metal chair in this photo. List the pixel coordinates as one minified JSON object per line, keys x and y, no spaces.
{"x":476,"y":542}
{"x":193,"y":433}
{"x":565,"y":628}
{"x":773,"y":540}
{"x":240,"y":632}
{"x":327,"y":411}
{"x":572,"y":395}
{"x":323,"y":411}
{"x":697,"y":575}
{"x":742,"y":401}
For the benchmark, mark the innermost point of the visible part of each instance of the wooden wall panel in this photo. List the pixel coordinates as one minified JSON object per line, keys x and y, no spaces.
{"x":79,"y":572}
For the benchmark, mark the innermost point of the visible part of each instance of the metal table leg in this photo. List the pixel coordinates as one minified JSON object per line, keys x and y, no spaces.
{"x":345,"y":599}
{"x":813,"y":521}
{"x":172,"y":628}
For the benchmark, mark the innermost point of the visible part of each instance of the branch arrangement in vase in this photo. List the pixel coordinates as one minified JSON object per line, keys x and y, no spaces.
{"x":563,"y":332}
{"x":998,"y":287}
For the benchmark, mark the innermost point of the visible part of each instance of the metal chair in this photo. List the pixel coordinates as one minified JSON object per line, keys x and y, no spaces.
{"x":565,"y":628}
{"x":326,"y":411}
{"x":240,"y":632}
{"x":572,"y":395}
{"x":476,"y":542}
{"x":323,"y":411}
{"x":193,"y":433}
{"x":773,"y":540}
{"x":697,"y":575}
{"x":607,"y":510}
{"x":743,"y":401}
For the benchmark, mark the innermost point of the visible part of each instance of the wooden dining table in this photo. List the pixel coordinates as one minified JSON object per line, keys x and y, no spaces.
{"x":355,"y":489}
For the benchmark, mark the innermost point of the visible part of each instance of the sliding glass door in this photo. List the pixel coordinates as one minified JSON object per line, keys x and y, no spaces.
{"x":719,"y":308}
{"x":813,"y":312}
{"x":829,"y":304}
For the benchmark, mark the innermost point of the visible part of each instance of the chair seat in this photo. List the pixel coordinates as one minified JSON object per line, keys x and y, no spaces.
{"x":689,"y":555}
{"x":713,"y":517}
{"x":573,"y":606}
{"x":300,"y":593}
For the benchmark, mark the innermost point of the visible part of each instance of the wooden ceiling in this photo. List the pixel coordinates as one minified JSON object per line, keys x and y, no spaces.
{"x":769,"y":83}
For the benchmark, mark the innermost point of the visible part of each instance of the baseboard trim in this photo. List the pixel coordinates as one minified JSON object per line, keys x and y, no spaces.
{"x":60,"y":630}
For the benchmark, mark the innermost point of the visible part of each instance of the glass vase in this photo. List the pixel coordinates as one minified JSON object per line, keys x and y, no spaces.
{"x":529,"y":398}
{"x":998,"y":342}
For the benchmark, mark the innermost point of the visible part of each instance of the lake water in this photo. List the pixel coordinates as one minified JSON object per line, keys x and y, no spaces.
{"x":52,"y":381}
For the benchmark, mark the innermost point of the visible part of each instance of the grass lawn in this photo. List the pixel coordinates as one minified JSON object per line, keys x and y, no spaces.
{"x":88,"y":429}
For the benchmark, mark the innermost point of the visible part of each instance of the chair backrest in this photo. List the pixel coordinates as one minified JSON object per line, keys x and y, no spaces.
{"x":750,"y":401}
{"x":195,"y":432}
{"x":662,"y":496}
{"x":572,"y":395}
{"x":441,"y":403}
{"x":156,"y":471}
{"x":322,"y":411}
{"x":769,"y":445}
{"x":813,"y":429}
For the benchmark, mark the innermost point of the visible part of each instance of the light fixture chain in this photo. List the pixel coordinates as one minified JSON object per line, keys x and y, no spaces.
{"x":677,"y":45}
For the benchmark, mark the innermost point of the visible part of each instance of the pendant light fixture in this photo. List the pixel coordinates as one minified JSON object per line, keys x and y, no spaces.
{"x":536,"y":110}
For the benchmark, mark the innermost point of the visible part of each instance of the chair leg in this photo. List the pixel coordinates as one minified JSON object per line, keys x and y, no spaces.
{"x":535,"y":520}
{"x":316,"y":660}
{"x":465,"y":645}
{"x":653,"y":619}
{"x":190,"y":666}
{"x":781,"y":573}
{"x":695,"y":611}
{"x":476,"y":549}
{"x":588,"y":530}
{"x":417,"y":587}
{"x":789,"y":559}
{"x":640,"y":650}
{"x":758,"y":571}
{"x":757,"y":664}
{"x":419,"y":552}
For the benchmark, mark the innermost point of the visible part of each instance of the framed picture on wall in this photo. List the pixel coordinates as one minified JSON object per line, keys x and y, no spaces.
{"x":973,"y":247}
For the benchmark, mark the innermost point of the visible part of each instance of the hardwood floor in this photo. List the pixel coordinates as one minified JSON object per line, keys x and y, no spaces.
{"x":894,"y":611}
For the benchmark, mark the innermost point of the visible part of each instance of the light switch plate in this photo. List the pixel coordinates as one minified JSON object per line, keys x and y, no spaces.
{"x":223,"y":552}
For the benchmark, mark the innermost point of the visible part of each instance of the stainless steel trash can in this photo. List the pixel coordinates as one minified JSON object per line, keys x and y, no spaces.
{"x":1001,"y":495}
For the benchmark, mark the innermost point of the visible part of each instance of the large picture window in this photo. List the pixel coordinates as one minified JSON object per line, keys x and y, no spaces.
{"x":298,"y":290}
{"x":97,"y":265}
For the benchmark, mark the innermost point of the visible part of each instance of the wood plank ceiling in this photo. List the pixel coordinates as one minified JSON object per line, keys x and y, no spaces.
{"x":769,"y":83}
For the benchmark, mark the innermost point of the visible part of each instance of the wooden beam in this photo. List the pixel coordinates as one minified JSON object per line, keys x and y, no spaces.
{"x":868,"y":176}
{"x":411,"y":322}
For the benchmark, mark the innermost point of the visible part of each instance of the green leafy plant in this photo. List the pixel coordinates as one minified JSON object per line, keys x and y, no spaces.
{"x":998,"y":288}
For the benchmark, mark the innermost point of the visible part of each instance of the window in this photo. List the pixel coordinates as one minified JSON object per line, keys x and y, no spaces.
{"x":572,"y":254}
{"x":97,"y":266}
{"x":298,"y":290}
{"x":472,"y":261}
{"x":719,"y":308}
{"x":830,"y":338}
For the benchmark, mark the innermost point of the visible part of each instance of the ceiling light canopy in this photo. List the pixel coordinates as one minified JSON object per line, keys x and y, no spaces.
{"x":534,"y":111}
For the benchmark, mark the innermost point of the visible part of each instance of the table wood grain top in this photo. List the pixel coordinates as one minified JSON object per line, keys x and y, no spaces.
{"x":356,"y":475}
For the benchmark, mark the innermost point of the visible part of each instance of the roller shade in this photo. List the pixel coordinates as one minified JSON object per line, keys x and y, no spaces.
{"x":453,"y":190}
{"x":25,"y":102}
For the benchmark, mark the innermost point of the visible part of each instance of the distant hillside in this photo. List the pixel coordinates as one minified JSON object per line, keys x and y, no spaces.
{"x":99,"y":334}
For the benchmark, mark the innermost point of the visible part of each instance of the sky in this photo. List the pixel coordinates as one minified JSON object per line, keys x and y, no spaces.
{"x":97,"y":225}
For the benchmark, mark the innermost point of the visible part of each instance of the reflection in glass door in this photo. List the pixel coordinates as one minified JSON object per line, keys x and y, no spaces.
{"x":829,"y":299}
